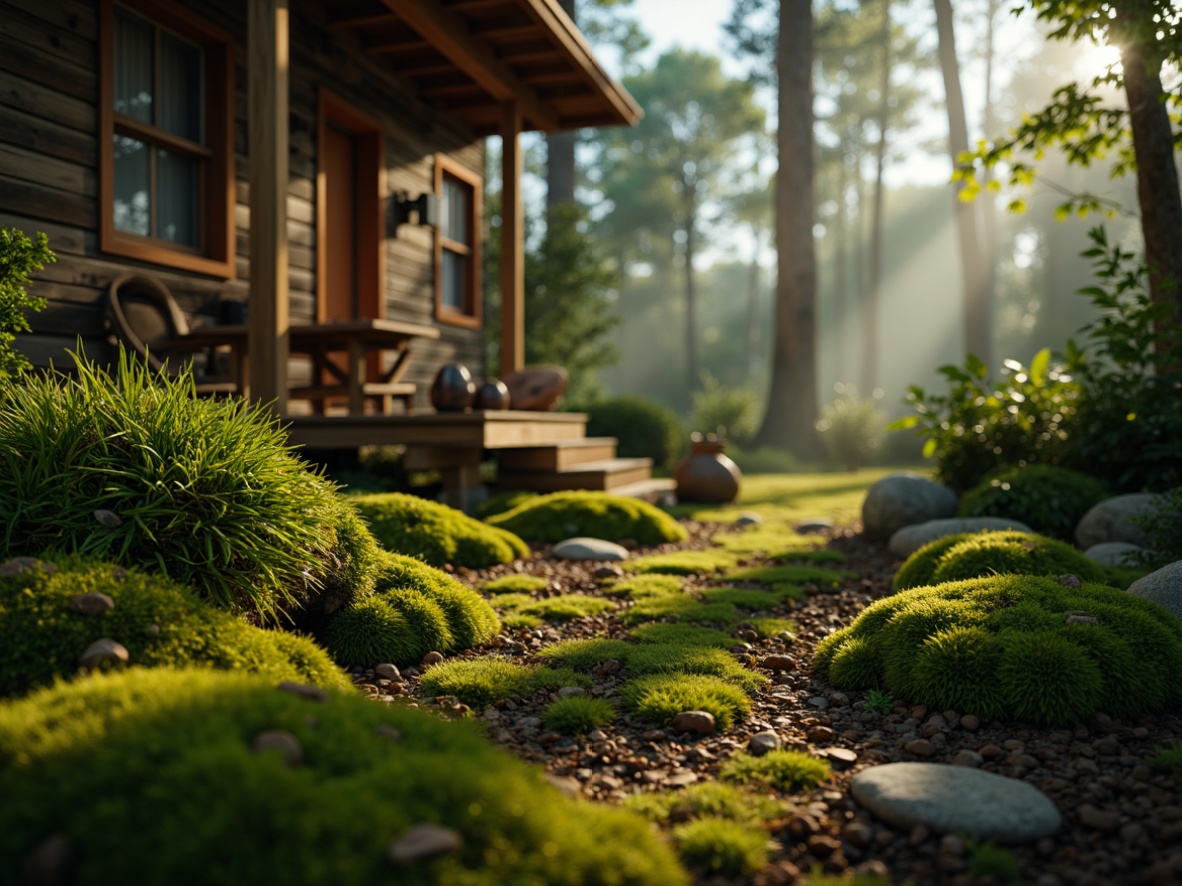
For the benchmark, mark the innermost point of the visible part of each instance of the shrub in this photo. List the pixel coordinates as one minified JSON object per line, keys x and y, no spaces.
{"x":470,"y":620}
{"x":515,"y":584}
{"x":734,"y":412}
{"x":781,"y":770}
{"x":1018,"y":647}
{"x":159,"y":622}
{"x":852,"y":427}
{"x":682,"y":635}
{"x":435,"y":533}
{"x":1049,"y":499}
{"x":166,"y":749}
{"x":19,"y":257}
{"x":658,"y":698}
{"x":484,"y":681}
{"x":719,"y":846}
{"x":561,"y":515}
{"x":578,"y":715}
{"x":643,"y":428}
{"x":371,"y":632}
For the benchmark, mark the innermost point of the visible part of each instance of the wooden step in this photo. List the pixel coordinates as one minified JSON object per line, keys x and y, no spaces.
{"x":559,"y":456}
{"x":604,"y":476}
{"x":656,"y":490}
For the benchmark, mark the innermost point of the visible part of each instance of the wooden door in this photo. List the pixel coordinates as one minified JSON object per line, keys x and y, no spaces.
{"x":340,"y":220}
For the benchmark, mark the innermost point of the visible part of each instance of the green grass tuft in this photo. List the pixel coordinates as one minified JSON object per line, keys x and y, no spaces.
{"x":782,"y":770}
{"x":719,"y":846}
{"x":1167,"y":759}
{"x":791,"y":574}
{"x":657,"y":699}
{"x":478,"y":682}
{"x":773,"y":627}
{"x":515,"y":584}
{"x":708,"y":798}
{"x":583,"y":655}
{"x":683,"y":563}
{"x":988,"y":860}
{"x":641,"y":586}
{"x":561,"y":515}
{"x":682,"y":635}
{"x":578,"y":715}
{"x":683,"y":608}
{"x":657,"y":658}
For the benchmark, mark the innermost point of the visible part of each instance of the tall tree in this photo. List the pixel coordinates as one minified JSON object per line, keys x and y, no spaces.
{"x":871,"y":303}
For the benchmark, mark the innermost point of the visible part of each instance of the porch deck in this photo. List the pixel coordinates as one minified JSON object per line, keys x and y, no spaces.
{"x":505,"y":429}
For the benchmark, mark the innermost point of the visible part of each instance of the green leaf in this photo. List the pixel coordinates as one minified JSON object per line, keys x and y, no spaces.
{"x":929,"y":448}
{"x":974,"y":365}
{"x":1038,"y":367}
{"x":904,"y":423}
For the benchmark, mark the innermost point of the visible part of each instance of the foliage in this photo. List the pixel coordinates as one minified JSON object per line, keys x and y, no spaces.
{"x":774,"y":627}
{"x":578,"y":715}
{"x":878,"y":702}
{"x":484,"y":681}
{"x":567,"y":606}
{"x":19,"y":257}
{"x":501,"y":502}
{"x":852,"y":427}
{"x":1026,"y":417}
{"x":792,"y":573}
{"x":988,"y":860}
{"x":1016,"y":647}
{"x":683,"y":563}
{"x":658,"y":698}
{"x":134,"y":468}
{"x":731,"y":412}
{"x":561,"y":515}
{"x":373,"y":631}
{"x":782,"y":770}
{"x":665,"y":658}
{"x":160,"y":623}
{"x":1163,"y":525}
{"x":1049,"y":499}
{"x":642,"y":427}
{"x":167,"y":748}
{"x":720,"y":846}
{"x":764,"y":460}
{"x":681,"y":607}
{"x":515,"y":584}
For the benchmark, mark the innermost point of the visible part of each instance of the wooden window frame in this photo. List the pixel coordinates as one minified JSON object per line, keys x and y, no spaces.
{"x":371,"y":160}
{"x":471,"y":316}
{"x":217,"y":184}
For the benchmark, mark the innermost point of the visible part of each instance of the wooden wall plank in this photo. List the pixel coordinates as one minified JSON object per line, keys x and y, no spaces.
{"x":50,"y":139}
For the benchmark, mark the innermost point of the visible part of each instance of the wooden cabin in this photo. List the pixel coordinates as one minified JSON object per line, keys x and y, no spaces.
{"x":285,"y":154}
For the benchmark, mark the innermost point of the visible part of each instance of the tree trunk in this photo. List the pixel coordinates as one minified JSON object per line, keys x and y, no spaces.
{"x":988,"y":203}
{"x":978,"y":325}
{"x":560,"y":153}
{"x":792,"y":400}
{"x":841,"y":271}
{"x":691,"y":295}
{"x":873,"y":300}
{"x":753,"y":307}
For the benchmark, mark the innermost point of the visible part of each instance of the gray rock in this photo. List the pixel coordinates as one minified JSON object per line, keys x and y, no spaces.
{"x":910,"y":539}
{"x":814,"y":524}
{"x":695,"y":722}
{"x":108,"y":519}
{"x":20,"y":565}
{"x":1163,"y":586}
{"x":952,"y":799}
{"x":1109,"y":521}
{"x":104,"y":653}
{"x":1114,"y":553}
{"x":748,"y":518}
{"x":282,"y":742}
{"x":588,"y":549}
{"x":904,"y":499}
{"x":388,"y":671}
{"x":91,"y":603}
{"x":763,"y":742}
{"x":571,"y":691}
{"x":423,"y":841}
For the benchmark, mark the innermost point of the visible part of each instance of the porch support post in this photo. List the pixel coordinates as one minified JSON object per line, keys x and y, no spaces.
{"x":512,"y":243}
{"x":267,"y":68}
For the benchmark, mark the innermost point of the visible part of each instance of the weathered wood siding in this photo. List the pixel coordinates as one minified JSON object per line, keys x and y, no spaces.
{"x":49,"y":87}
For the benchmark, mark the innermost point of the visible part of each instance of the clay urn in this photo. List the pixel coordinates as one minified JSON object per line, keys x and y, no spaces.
{"x":493,"y":394}
{"x":453,"y":389}
{"x":707,"y":475}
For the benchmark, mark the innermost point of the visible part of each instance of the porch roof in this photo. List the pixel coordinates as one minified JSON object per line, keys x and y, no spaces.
{"x":471,"y":56}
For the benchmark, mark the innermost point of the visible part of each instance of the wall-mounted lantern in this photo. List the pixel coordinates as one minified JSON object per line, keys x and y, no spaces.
{"x":425,"y":206}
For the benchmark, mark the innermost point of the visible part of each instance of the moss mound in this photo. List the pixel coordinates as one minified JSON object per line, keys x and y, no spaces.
{"x":682,"y":635}
{"x":561,"y":515}
{"x":151,"y":757}
{"x":664,"y":658}
{"x":1013,"y":647}
{"x":647,"y":586}
{"x":583,"y":655}
{"x":435,"y":533}
{"x":683,"y":563}
{"x":578,"y":715}
{"x":720,"y":846}
{"x":515,"y":584}
{"x":713,"y":798}
{"x":1047,"y":498}
{"x":469,"y":617}
{"x":658,"y":698}
{"x":43,"y":632}
{"x":959,"y":557}
{"x":483,"y":681}
{"x":783,"y":770}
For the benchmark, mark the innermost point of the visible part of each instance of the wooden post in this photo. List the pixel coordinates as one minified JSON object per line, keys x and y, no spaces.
{"x":267,"y":69}
{"x":512,"y":243}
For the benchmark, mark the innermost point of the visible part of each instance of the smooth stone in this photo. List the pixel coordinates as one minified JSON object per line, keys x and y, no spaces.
{"x":1109,"y":520}
{"x":681,"y":779}
{"x":303,"y":690}
{"x":91,"y":603}
{"x":388,"y":671}
{"x":564,"y":783}
{"x":1114,"y":553}
{"x":588,"y":549}
{"x":431,"y":658}
{"x":903,"y":499}
{"x":695,"y":722}
{"x":748,"y":518}
{"x":778,"y":663}
{"x":814,"y":524}
{"x":281,"y":741}
{"x":910,"y":539}
{"x":841,"y":758}
{"x":607,"y":571}
{"x":571,"y":691}
{"x":536,"y":389}
{"x":108,"y":519}
{"x":104,"y":652}
{"x":423,"y":841}
{"x":763,"y":742}
{"x":951,"y":799}
{"x":21,"y":565}
{"x":1163,"y":587}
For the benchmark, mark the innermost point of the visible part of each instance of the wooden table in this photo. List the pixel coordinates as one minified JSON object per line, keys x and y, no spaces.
{"x":325,"y":343}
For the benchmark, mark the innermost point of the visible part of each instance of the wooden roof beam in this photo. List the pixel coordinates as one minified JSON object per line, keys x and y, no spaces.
{"x":451,"y":38}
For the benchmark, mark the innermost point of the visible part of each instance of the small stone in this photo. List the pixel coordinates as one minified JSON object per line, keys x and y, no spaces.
{"x":820,"y":733}
{"x":564,"y":783}
{"x":841,"y":758}
{"x":681,"y":779}
{"x":286,"y":744}
{"x":741,"y":648}
{"x":763,"y":742}
{"x":92,"y":603}
{"x":21,"y":565}
{"x":1069,"y":581}
{"x":387,"y":671}
{"x":814,"y":524}
{"x":970,"y":722}
{"x":748,"y":518}
{"x":385,"y":730}
{"x":152,"y":630}
{"x":694,"y":722}
{"x":571,"y":691}
{"x":51,"y":863}
{"x":838,"y":699}
{"x":778,"y":663}
{"x":921,"y":747}
{"x":607,"y":571}
{"x":821,"y":704}
{"x":588,"y":549}
{"x":952,"y":844}
{"x":431,"y":658}
{"x":104,"y":653}
{"x":992,"y":752}
{"x":822,"y":845}
{"x":857,"y":833}
{"x":966,"y":757}
{"x":1099,"y":819}
{"x":303,"y":690}
{"x":423,"y":841}
{"x":108,"y":519}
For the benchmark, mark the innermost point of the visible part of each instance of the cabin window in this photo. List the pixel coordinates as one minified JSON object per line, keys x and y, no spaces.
{"x":166,"y":151}
{"x":457,"y":244}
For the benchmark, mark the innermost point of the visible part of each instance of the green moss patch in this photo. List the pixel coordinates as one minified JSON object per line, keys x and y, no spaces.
{"x":657,"y":699}
{"x":435,"y":533}
{"x":583,"y":655}
{"x":168,"y":748}
{"x":821,"y":555}
{"x":515,"y":584}
{"x":764,"y":538}
{"x":682,"y":635}
{"x":755,"y":599}
{"x":663,"y":658}
{"x":641,"y":586}
{"x":560,"y":515}
{"x":470,"y":619}
{"x":42,"y":633}
{"x":1049,"y":499}
{"x":781,"y":770}
{"x":773,"y":627}
{"x":795,"y":574}
{"x":683,"y":563}
{"x":480,"y":682}
{"x":682,"y":608}
{"x":708,"y":798}
{"x":578,"y":715}
{"x":720,"y":846}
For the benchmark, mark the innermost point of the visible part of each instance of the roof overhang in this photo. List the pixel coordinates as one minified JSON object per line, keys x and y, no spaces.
{"x":472,"y":56}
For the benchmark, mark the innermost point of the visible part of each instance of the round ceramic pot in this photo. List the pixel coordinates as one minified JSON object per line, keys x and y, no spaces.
{"x":453,"y":389}
{"x":493,"y":394}
{"x":707,"y":475}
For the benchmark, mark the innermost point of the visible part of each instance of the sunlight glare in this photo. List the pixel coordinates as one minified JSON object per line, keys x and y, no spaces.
{"x":1095,"y":60}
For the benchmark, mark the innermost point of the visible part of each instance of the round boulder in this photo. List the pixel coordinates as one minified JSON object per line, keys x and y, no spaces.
{"x":1110,"y":520}
{"x":1114,"y":553}
{"x":904,"y":499}
{"x":1163,"y":587}
{"x":588,"y":549}
{"x":910,"y":539}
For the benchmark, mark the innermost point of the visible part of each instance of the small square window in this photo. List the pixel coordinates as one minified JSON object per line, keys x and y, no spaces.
{"x":457,"y":244}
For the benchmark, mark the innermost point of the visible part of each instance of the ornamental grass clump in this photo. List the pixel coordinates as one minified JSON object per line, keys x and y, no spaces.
{"x":561,"y":515}
{"x":1017,"y":647}
{"x":1049,"y":499}
{"x":782,"y":770}
{"x":150,"y":758}
{"x":52,"y":610}
{"x":578,"y":715}
{"x":134,"y":468}
{"x":658,"y":698}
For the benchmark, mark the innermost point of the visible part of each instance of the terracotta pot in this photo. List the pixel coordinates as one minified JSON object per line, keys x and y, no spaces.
{"x":707,"y":475}
{"x":453,"y":389}
{"x":493,"y":394}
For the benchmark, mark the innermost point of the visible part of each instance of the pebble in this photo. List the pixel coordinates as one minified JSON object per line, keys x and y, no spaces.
{"x":970,"y":722}
{"x":762,"y":742}
{"x":1099,"y":819}
{"x":966,"y":757}
{"x":570,"y":691}
{"x":303,"y":690}
{"x":288,"y":746}
{"x":104,"y":653}
{"x":21,"y":565}
{"x":820,"y":733}
{"x":608,"y":570}
{"x":387,"y":671}
{"x":857,"y":833}
{"x":694,"y":722}
{"x":432,"y":658}
{"x":920,"y":747}
{"x":423,"y":841}
{"x":108,"y":519}
{"x":841,"y":758}
{"x":588,"y":549}
{"x":778,"y":663}
{"x":682,"y":779}
{"x":92,"y":603}
{"x":748,"y":518}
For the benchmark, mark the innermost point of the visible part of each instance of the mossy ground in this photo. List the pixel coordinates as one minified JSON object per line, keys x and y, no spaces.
{"x":561,"y":515}
{"x":641,"y":586}
{"x":578,"y":714}
{"x":658,"y":698}
{"x":683,"y":563}
{"x":562,"y":607}
{"x":782,"y":770}
{"x":480,"y":682}
{"x":793,"y":573}
{"x":719,"y":846}
{"x":682,"y":635}
{"x":515,"y":584}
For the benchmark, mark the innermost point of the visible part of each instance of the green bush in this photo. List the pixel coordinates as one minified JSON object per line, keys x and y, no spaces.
{"x":734,"y":412}
{"x":578,"y":715}
{"x":483,"y":681}
{"x":720,"y":846}
{"x":1013,"y":647}
{"x":134,"y":468}
{"x":852,"y":427}
{"x":159,"y":622}
{"x":561,"y":515}
{"x":435,"y":533}
{"x":19,"y":257}
{"x":150,"y":758}
{"x":781,"y":770}
{"x":644,"y":429}
{"x":1049,"y":499}
{"x":658,"y":698}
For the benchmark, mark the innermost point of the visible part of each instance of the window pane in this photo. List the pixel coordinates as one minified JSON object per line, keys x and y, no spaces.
{"x":180,"y":88}
{"x":131,"y":185}
{"x":178,"y":216}
{"x":133,"y":66}
{"x":452,"y":286}
{"x":455,"y":210}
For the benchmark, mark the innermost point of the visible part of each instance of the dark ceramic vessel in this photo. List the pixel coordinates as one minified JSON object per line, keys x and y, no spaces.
{"x":707,"y":475}
{"x":493,"y":394}
{"x":453,"y":389}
